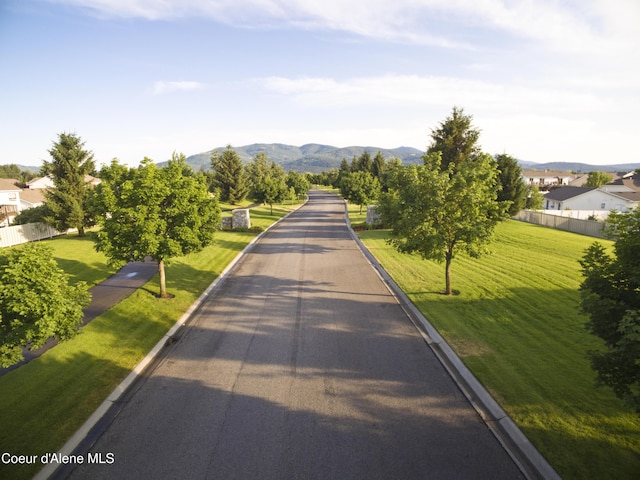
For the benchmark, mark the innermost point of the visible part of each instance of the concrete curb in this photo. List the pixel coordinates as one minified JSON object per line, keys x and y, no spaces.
{"x":50,"y":469}
{"x":532,"y":464}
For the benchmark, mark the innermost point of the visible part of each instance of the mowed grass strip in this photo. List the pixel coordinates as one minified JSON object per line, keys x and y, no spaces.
{"x":78,"y":258}
{"x":45,"y":401}
{"x":516,"y":324}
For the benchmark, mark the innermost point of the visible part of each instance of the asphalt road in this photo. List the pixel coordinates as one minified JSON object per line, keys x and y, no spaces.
{"x":301,"y":366}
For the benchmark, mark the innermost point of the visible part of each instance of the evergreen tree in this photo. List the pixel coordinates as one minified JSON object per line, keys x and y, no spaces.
{"x":69,"y":165}
{"x":229,"y":176}
{"x":512,"y":186}
{"x":378,"y":167}
{"x":455,"y":139}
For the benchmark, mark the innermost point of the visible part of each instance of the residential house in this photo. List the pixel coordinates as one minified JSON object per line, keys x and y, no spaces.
{"x":590,"y":199}
{"x":9,"y":200}
{"x":41,"y":183}
{"x":30,"y":198}
{"x":547,"y":178}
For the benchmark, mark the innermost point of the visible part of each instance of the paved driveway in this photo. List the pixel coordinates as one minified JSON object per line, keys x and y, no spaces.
{"x":301,"y":366}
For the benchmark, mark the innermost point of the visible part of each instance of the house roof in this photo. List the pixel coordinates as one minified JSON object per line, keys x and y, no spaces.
{"x":9,"y":185}
{"x":565,"y":193}
{"x":631,"y":196}
{"x":547,"y":174}
{"x":31,"y":195}
{"x":632,"y":182}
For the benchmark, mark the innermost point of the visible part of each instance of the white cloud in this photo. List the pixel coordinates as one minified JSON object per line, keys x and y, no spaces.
{"x":413,"y":91}
{"x":161,"y":87}
{"x":574,"y":25}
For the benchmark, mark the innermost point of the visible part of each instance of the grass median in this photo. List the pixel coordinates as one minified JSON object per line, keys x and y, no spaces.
{"x":45,"y":401}
{"x":516,"y":324}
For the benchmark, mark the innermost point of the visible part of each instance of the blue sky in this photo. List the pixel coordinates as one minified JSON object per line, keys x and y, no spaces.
{"x":545,"y":80}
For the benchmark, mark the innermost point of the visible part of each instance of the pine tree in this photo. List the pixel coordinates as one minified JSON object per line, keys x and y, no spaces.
{"x":69,"y":165}
{"x":229,"y":176}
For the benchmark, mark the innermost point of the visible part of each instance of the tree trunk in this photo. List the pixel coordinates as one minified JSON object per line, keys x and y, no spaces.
{"x":81,"y":232}
{"x":447,"y":269}
{"x":163,"y":284}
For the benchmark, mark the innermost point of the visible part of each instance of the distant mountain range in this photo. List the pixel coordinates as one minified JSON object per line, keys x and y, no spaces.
{"x":579,"y":167}
{"x":315,"y":158}
{"x":312,"y":157}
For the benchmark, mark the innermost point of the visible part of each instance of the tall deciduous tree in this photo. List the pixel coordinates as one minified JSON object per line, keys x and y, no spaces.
{"x":610,"y":295}
{"x":445,"y":206}
{"x":298,"y":182}
{"x":229,"y":175}
{"x":36,"y":301}
{"x":69,"y":164}
{"x":360,"y":187}
{"x":534,"y":199}
{"x":596,"y":179}
{"x":152,"y":212}
{"x":512,"y":187}
{"x":271,"y":187}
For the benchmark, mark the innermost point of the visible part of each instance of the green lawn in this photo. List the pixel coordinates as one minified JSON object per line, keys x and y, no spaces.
{"x":45,"y":401}
{"x":78,"y":258}
{"x":516,"y":324}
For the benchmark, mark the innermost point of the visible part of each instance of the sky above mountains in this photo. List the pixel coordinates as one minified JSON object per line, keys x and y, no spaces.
{"x":544,"y":80}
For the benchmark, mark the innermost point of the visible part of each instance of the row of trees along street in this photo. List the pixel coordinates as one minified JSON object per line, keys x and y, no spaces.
{"x":262,"y":180}
{"x":144,"y":211}
{"x":449,"y":204}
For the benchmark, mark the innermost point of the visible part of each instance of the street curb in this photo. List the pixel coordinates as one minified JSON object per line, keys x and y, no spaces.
{"x":68,"y":448}
{"x":531,"y":463}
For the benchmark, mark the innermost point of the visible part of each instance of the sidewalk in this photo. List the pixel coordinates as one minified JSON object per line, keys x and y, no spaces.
{"x":103,"y":296}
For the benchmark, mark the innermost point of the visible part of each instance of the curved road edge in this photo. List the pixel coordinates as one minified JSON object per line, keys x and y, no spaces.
{"x":521,"y":450}
{"x":50,"y":469}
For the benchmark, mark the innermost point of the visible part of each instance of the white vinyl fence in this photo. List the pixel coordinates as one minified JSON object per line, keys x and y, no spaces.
{"x":30,"y":232}
{"x":584,"y":227}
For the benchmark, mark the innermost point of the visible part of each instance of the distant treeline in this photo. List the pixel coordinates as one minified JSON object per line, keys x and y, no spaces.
{"x":14,"y":171}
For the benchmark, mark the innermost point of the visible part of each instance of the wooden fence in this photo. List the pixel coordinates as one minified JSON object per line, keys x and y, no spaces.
{"x":585,"y":227}
{"x":30,"y":232}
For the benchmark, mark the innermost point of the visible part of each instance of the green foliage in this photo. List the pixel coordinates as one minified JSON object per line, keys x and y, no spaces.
{"x":535,"y":199}
{"x":69,"y":164}
{"x":148,"y":211}
{"x":437,"y":212}
{"x":268,"y":181}
{"x":299,"y":183}
{"x":36,"y":301}
{"x":13,"y":171}
{"x":38,"y":214}
{"x":455,"y":139}
{"x":360,"y":187}
{"x":229,"y":176}
{"x":363,"y":163}
{"x":611,"y":297}
{"x":512,"y":187}
{"x":378,"y":166}
{"x":597,"y":179}
{"x":450,"y":203}
{"x":516,"y":325}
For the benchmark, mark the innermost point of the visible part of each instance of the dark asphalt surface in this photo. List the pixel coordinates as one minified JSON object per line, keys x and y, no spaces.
{"x":302,"y":365}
